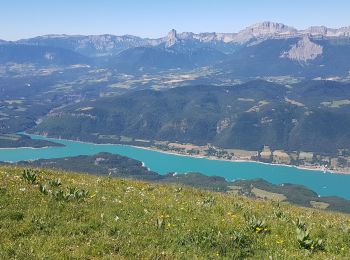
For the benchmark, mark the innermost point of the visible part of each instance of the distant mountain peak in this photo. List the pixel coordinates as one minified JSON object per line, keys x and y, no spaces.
{"x":327,"y":32}
{"x":318,"y":29}
{"x":106,"y":45}
{"x":270,"y":26}
{"x":171,"y":38}
{"x":264,"y":30}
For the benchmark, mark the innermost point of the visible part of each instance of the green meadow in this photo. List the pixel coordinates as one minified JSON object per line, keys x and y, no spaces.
{"x":48,"y":214}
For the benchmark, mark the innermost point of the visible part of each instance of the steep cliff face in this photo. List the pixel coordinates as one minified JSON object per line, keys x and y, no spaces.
{"x":97,"y":45}
{"x":264,"y":30}
{"x":323,"y":31}
{"x":303,"y":51}
{"x":171,"y":38}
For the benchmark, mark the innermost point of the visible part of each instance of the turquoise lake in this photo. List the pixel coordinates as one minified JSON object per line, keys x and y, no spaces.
{"x":325,"y":184}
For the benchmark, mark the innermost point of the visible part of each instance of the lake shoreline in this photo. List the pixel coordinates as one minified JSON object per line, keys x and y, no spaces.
{"x":311,"y":168}
{"x":27,"y":147}
{"x":318,"y":169}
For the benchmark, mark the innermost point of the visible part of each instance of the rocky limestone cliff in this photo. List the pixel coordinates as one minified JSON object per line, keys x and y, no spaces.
{"x":264,"y":30}
{"x":303,"y":51}
{"x":171,"y":38}
{"x":257,"y":33}
{"x":326,"y":32}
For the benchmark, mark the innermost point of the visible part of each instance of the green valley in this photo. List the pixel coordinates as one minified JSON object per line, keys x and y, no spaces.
{"x":276,"y":123}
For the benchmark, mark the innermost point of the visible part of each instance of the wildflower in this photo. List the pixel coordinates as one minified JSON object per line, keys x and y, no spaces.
{"x":116,"y":218}
{"x":22,"y":189}
{"x":259,"y":229}
{"x":231,"y":215}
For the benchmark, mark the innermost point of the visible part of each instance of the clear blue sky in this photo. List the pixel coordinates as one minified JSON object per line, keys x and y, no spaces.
{"x":154,"y":18}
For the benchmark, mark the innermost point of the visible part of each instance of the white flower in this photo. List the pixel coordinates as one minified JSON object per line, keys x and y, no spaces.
{"x":22,"y":189}
{"x":116,"y":218}
{"x":117,"y":201}
{"x":129,"y":188}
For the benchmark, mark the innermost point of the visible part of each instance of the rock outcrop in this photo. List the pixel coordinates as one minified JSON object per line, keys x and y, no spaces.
{"x":303,"y":51}
{"x":171,"y":38}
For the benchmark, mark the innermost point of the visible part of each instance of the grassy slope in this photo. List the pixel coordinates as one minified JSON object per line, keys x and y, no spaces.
{"x":118,"y":219}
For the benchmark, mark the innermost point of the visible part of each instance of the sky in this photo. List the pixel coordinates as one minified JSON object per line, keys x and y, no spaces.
{"x":154,"y":18}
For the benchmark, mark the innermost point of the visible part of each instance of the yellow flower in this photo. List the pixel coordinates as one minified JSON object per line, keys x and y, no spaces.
{"x":258,"y":229}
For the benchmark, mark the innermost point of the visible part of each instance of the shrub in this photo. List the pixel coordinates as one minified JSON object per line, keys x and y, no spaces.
{"x":29,"y":175}
{"x":304,"y":239}
{"x":55,"y":183}
{"x":71,"y":193}
{"x":257,"y":225}
{"x":43,"y":190}
{"x":300,"y":224}
{"x":306,"y":242}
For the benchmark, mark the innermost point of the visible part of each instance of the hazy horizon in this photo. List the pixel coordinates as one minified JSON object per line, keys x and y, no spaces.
{"x":199,"y":32}
{"x":153,"y":19}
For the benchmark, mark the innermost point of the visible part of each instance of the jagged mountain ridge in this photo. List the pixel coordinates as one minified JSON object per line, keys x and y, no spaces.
{"x":91,"y":45}
{"x":263,"y":49}
{"x":111,"y":44}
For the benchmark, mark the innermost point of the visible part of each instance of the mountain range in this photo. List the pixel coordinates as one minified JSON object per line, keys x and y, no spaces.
{"x":111,"y":44}
{"x":314,"y":52}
